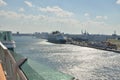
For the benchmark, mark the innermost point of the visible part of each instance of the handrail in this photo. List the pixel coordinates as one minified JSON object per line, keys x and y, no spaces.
{"x":10,"y":66}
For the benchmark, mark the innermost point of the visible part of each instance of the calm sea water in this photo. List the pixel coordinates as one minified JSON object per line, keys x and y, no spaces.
{"x":81,"y":62}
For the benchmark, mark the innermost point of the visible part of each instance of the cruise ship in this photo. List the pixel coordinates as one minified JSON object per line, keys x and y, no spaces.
{"x":54,"y":37}
{"x":6,"y":39}
{"x":57,"y":37}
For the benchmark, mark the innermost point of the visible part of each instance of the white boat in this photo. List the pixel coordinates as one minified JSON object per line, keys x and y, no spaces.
{"x":6,"y":39}
{"x":57,"y":37}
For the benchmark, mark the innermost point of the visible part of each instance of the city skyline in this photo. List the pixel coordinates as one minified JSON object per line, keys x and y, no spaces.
{"x":28,"y":16}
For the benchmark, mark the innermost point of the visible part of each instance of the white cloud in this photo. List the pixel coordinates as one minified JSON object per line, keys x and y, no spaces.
{"x":57,"y":11}
{"x":99,"y":17}
{"x":46,"y":23}
{"x":102,"y":17}
{"x":21,"y":10}
{"x":86,"y":14}
{"x":14,"y":15}
{"x":118,"y":2}
{"x":96,"y":23}
{"x":28,"y":3}
{"x":41,"y":22}
{"x":8,"y":14}
{"x":2,"y":3}
{"x":105,"y":17}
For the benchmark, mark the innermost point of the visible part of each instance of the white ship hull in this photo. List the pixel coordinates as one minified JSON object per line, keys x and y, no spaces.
{"x":9,"y":44}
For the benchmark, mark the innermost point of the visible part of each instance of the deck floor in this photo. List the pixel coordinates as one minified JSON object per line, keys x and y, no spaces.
{"x":2,"y":75}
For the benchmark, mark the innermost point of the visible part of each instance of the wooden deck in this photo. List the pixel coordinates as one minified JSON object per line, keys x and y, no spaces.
{"x":2,"y":75}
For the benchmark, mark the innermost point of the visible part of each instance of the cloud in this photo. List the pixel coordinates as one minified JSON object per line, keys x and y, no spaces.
{"x":102,"y":17}
{"x":2,"y":3}
{"x":118,"y":2}
{"x":14,"y":15}
{"x":19,"y":21}
{"x":8,"y":14}
{"x":57,"y":11}
{"x":28,"y":3}
{"x":22,"y":22}
{"x":21,"y":10}
{"x":42,"y":22}
{"x":86,"y":14}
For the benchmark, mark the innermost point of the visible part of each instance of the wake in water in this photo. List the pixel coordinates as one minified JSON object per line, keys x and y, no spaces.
{"x":44,"y":42}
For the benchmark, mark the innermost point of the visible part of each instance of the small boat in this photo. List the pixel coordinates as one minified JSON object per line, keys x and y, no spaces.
{"x":6,"y":39}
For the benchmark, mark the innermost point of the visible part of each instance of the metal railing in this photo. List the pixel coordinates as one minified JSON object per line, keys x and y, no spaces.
{"x":10,"y":66}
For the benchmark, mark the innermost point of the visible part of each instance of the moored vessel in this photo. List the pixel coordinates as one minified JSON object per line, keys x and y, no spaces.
{"x":57,"y":37}
{"x":7,"y":40}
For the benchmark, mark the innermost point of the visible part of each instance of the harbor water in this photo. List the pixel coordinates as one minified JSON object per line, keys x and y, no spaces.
{"x":64,"y":61}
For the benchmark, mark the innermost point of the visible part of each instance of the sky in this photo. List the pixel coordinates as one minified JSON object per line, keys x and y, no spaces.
{"x":68,"y":16}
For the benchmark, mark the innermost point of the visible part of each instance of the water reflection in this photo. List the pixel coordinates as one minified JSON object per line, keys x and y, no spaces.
{"x":81,"y":62}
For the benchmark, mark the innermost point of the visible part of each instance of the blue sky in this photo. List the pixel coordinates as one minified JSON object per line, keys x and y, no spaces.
{"x":69,"y":16}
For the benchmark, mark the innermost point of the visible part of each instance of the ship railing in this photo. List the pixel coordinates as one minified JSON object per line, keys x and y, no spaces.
{"x":11,"y":67}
